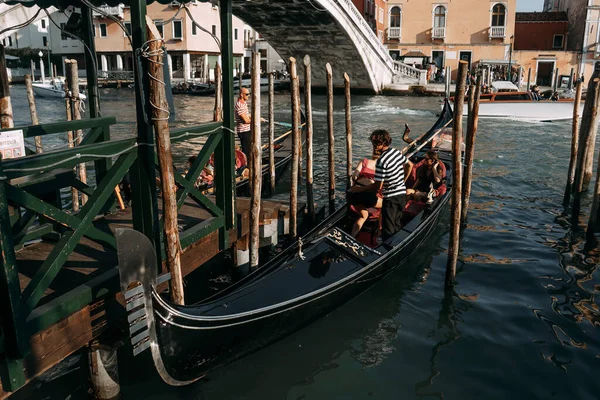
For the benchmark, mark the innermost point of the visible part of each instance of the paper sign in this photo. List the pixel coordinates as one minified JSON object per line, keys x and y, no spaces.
{"x":450,"y":55}
{"x":12,"y":144}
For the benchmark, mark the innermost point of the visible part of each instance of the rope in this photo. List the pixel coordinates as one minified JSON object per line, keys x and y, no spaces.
{"x":155,"y":57}
{"x":189,"y":13}
{"x":75,"y":157}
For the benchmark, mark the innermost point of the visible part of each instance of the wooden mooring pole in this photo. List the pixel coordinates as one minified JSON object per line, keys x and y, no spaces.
{"x":218,"y":114}
{"x":528,"y":78}
{"x":39,"y":148}
{"x":271,"y":131}
{"x":349,"y":168}
{"x":295,"y":148}
{"x":70,"y":137}
{"x":574,"y":145}
{"x":6,"y":113}
{"x":76,"y":110}
{"x":588,"y":130}
{"x":473,"y":120}
{"x":255,"y":160}
{"x":310,"y":197}
{"x":331,"y":153}
{"x":457,"y":135}
{"x":160,"y":121}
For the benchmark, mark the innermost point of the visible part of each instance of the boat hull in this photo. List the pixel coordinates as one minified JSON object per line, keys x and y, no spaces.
{"x":527,"y":110}
{"x":44,"y":90}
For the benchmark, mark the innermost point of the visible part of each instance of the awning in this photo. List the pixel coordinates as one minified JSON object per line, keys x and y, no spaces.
{"x":497,"y":62}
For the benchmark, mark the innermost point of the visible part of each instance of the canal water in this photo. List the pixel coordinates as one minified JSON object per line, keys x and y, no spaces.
{"x":523,"y":323}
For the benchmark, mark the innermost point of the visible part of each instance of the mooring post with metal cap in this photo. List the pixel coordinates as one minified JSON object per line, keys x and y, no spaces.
{"x":470,"y":149}
{"x":160,"y":121}
{"x":295,"y":148}
{"x":310,"y":197}
{"x":331,"y":141}
{"x":574,"y":145}
{"x":348,"y":131}
{"x":457,"y":136}
{"x":255,"y":161}
{"x":39,"y":148}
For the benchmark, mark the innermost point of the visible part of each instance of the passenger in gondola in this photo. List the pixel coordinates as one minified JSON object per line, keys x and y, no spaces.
{"x":390,"y":170}
{"x":430,"y":179}
{"x":554,"y":96}
{"x":364,"y":175}
{"x":535,"y":92}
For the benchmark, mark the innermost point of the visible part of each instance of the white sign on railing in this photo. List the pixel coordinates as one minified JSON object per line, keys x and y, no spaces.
{"x":12,"y":144}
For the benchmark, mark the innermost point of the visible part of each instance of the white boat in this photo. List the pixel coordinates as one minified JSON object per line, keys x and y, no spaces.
{"x":506,"y":101}
{"x":53,"y":88}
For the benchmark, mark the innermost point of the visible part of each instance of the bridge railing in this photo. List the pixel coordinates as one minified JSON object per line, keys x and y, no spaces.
{"x":411,"y":72}
{"x":366,"y":30}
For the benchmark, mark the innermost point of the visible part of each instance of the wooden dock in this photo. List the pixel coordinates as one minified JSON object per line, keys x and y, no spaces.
{"x":91,"y":272}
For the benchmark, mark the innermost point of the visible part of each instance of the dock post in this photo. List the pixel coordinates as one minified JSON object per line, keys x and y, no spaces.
{"x":39,"y":148}
{"x":255,"y":162}
{"x":218,"y":114}
{"x":70,"y":138}
{"x":310,"y":197}
{"x":594,"y":211}
{"x":574,"y":145}
{"x":104,"y":372}
{"x":457,"y":135}
{"x":331,"y":154}
{"x":470,"y":102}
{"x":272,"y":176}
{"x":160,"y":121}
{"x":295,"y":148}
{"x":91,"y":74}
{"x":555,"y":87}
{"x":349,"y":168}
{"x":520,"y":77}
{"x":528,"y":78}
{"x":470,"y":149}
{"x":587,"y":138}
{"x":76,"y":110}
{"x":571,"y":79}
{"x":6,"y":113}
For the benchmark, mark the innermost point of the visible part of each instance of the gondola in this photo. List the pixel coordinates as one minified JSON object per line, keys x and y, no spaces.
{"x":318,"y":273}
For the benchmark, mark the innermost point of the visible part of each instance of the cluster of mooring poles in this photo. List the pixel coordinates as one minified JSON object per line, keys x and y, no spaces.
{"x":255,"y":162}
{"x":461,"y":183}
{"x":582,"y":155}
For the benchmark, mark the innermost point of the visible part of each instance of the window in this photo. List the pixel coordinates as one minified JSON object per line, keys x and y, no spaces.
{"x":498,"y":15}
{"x":177,"y":29}
{"x":103,"y":32}
{"x":263,"y":53}
{"x":235,"y":34}
{"x":159,"y":26}
{"x":395,"y":17}
{"x":127,"y":25}
{"x":381,"y":15}
{"x":4,"y":42}
{"x":558,"y":41}
{"x":62,"y":33}
{"x":194,"y":29}
{"x":439,"y":18}
{"x":45,"y":41}
{"x":10,"y":41}
{"x":43,"y":22}
{"x":214,"y":30}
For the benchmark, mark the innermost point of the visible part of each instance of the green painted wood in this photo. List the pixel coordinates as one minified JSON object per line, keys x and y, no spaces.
{"x":144,"y":202}
{"x":82,"y":187}
{"x":13,"y":376}
{"x":193,"y":132}
{"x":87,"y":31}
{"x":37,"y":232}
{"x":197,"y":195}
{"x":12,"y":315}
{"x":57,"y":257}
{"x":198,"y":231}
{"x":225,"y":156}
{"x":93,"y":135}
{"x":63,"y":126}
{"x":18,"y":167}
{"x":197,"y":167}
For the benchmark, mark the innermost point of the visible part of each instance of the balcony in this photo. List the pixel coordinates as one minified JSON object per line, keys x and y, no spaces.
{"x":114,"y":11}
{"x":438,"y":33}
{"x":497,"y":32}
{"x":394,"y":33}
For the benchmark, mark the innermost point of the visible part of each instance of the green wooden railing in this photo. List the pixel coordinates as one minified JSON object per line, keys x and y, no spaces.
{"x":31,"y":207}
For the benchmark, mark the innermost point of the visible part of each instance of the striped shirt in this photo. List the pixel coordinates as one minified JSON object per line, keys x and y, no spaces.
{"x":241,"y":108}
{"x":390,"y":169}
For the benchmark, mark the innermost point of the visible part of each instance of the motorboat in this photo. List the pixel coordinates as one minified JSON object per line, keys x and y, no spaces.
{"x":53,"y":88}
{"x":318,"y":273}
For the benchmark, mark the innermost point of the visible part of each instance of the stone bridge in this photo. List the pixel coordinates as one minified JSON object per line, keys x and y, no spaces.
{"x":329,"y":31}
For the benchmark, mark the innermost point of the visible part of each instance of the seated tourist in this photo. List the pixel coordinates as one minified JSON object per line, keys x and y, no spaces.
{"x":430,"y":179}
{"x":364,"y":175}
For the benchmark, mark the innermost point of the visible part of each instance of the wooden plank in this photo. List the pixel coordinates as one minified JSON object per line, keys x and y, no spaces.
{"x":63,"y":126}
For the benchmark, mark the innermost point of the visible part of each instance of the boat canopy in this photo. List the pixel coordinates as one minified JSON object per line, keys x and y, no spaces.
{"x":504,"y":86}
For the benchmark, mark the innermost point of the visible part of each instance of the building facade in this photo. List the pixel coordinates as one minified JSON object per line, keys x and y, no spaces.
{"x":471,"y":30}
{"x":373,"y":12}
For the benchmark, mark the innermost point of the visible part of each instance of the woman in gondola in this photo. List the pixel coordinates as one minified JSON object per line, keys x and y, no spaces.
{"x":364,"y":175}
{"x":430,"y":178}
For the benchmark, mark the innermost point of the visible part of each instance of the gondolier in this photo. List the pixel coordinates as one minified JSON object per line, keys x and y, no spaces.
{"x":242,"y":121}
{"x":389,"y":174}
